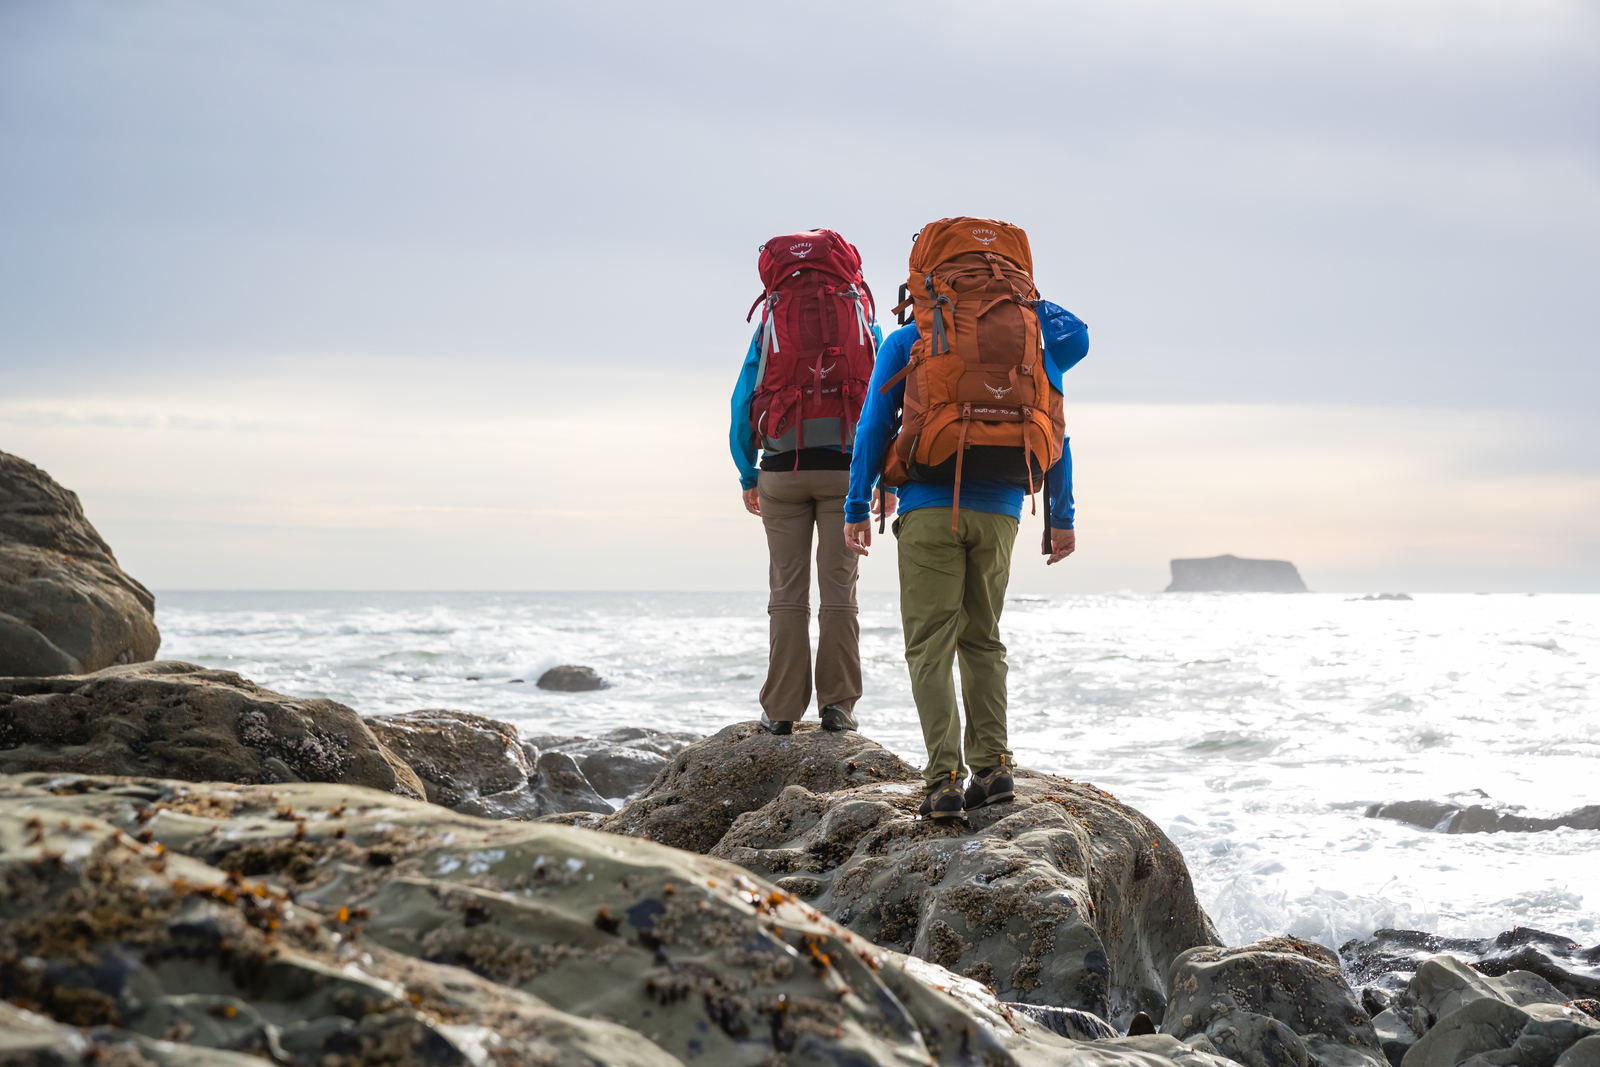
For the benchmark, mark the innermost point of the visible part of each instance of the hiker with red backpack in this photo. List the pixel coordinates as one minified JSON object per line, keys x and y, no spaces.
{"x":798,"y":401}
{"x":963,"y":417}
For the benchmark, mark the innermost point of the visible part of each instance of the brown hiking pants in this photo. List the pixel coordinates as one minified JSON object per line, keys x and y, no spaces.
{"x":793,"y":504}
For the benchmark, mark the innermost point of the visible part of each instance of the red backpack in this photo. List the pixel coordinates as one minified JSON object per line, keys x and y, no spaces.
{"x":817,"y":345}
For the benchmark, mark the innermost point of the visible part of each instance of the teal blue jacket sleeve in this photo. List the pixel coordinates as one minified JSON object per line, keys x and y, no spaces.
{"x":741,"y":437}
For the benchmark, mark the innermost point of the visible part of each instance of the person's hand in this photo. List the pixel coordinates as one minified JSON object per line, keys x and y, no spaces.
{"x":1059,"y":545}
{"x":858,"y":536}
{"x":752,"y":501}
{"x":883,"y":504}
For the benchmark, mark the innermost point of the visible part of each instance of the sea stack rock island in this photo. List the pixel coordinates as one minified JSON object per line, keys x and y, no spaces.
{"x":1230,"y":574}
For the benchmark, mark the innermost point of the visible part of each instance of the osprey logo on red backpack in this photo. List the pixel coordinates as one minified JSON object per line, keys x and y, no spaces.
{"x":801,"y":251}
{"x":988,"y":237}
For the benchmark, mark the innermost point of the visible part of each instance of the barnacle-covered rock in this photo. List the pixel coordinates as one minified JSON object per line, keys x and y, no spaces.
{"x":177,"y":720}
{"x":343,"y":925}
{"x":1063,"y":898}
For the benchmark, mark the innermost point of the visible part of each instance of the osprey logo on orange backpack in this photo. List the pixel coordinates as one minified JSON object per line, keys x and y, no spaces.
{"x":977,"y":399}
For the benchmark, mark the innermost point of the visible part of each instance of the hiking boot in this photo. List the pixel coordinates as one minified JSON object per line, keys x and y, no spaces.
{"x":991,"y":786}
{"x":777,"y":729}
{"x":943,"y":801}
{"x":836,"y":718}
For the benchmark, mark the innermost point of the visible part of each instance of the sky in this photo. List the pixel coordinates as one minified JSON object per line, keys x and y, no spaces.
{"x":450,"y":296}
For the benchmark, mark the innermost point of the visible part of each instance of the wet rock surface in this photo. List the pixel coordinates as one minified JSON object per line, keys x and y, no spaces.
{"x":570,"y":678}
{"x":1064,"y":898}
{"x":335,"y":925}
{"x":620,"y":763}
{"x":481,"y":766}
{"x":66,"y":605}
{"x":176,"y":720}
{"x":1389,"y":958}
{"x":1480,"y":818}
{"x":1277,"y":1001}
{"x":1476,"y":1004}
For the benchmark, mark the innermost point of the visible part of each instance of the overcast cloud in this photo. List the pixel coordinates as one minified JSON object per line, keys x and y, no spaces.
{"x":272,"y":209}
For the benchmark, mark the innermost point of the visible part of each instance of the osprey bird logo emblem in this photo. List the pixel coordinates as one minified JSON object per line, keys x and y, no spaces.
{"x":987,"y":237}
{"x":823,"y":373}
{"x":998,"y":393}
{"x":800,"y":251}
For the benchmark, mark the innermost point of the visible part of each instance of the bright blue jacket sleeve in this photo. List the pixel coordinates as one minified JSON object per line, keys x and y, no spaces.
{"x":741,"y":437}
{"x":1066,"y":342}
{"x":877,"y":422}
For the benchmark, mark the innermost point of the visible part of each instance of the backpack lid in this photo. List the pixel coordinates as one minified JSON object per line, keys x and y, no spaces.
{"x":822,"y":250}
{"x":944,"y":240}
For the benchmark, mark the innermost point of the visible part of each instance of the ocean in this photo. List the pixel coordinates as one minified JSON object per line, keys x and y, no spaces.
{"x":1255,"y":729}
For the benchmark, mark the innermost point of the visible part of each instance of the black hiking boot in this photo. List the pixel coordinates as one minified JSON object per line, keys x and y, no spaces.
{"x":991,"y":786}
{"x":943,"y":800}
{"x":836,"y":718}
{"x":777,"y":729}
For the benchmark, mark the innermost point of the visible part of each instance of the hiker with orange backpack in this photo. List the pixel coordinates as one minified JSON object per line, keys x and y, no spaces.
{"x":963,"y":417}
{"x":798,"y":401}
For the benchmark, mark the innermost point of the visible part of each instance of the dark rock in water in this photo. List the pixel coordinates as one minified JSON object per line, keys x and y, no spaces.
{"x":1230,"y":574}
{"x":1269,"y":1004}
{"x":1063,"y":898}
{"x":176,"y":720}
{"x":469,"y":942}
{"x":622,"y":762}
{"x":1478,"y":819}
{"x":1383,"y":596}
{"x":480,"y":766}
{"x":66,"y":606}
{"x":571,"y":679}
{"x":1458,"y":1015}
{"x":1390,"y":958}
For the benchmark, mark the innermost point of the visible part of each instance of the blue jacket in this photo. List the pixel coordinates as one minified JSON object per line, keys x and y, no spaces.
{"x":741,"y":435}
{"x":1066,"y":342}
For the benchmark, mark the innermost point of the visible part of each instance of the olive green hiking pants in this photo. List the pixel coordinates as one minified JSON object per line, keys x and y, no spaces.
{"x":952,"y":587}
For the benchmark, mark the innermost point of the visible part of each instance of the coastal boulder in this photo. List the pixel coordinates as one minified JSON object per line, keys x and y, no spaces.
{"x":1273,"y":1002}
{"x":711,"y":783}
{"x":1410,"y":964}
{"x":177,"y":720}
{"x":1064,"y":898}
{"x":571,"y":679}
{"x":66,"y":606}
{"x":480,"y":766}
{"x":367,"y":928}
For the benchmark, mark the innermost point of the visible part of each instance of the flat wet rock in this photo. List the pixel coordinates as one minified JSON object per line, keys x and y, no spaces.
{"x":620,"y":763}
{"x":1450,"y":818}
{"x":176,"y":720}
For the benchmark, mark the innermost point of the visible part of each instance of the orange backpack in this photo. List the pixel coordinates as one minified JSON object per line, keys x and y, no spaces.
{"x":977,"y":399}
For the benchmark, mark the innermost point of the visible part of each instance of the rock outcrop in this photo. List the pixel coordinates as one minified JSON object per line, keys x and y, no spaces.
{"x":1230,"y":574}
{"x":176,"y":720}
{"x":334,"y":925}
{"x":66,"y":606}
{"x":569,"y":678}
{"x":620,"y":763}
{"x":1276,"y":1002}
{"x":480,"y":766}
{"x":1524,"y":998}
{"x":1478,"y":818}
{"x":1064,"y":898}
